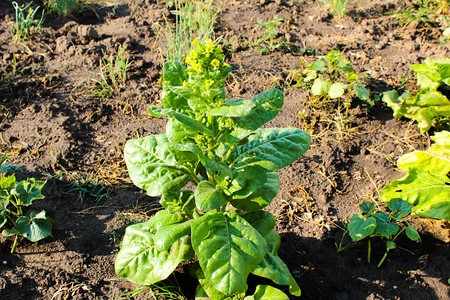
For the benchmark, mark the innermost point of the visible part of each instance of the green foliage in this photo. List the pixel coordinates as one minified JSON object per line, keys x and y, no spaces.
{"x":218,"y":147}
{"x":270,"y":30}
{"x":62,"y":7}
{"x":113,"y":74}
{"x":25,"y":26}
{"x":426,"y":185}
{"x":332,"y":77}
{"x":337,"y":7}
{"x":375,"y":223}
{"x":425,"y":12}
{"x":193,"y":20}
{"x":430,"y":106}
{"x":21,"y":194}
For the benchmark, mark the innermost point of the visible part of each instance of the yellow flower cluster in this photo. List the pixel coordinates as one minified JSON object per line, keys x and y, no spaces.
{"x":205,"y":57}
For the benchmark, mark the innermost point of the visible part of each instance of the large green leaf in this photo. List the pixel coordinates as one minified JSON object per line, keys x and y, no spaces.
{"x":272,"y":148}
{"x":152,"y":166}
{"x":184,"y":119}
{"x":208,"y":197}
{"x":320,"y":87}
{"x":272,"y":267}
{"x":167,"y":235}
{"x":261,"y":220}
{"x":337,"y":90}
{"x":139,"y":259}
{"x":173,"y":75}
{"x":177,"y":132}
{"x":233,"y":108}
{"x":35,"y":228}
{"x":228,"y":249}
{"x":247,"y":180}
{"x":359,"y":227}
{"x":428,"y":192}
{"x":267,"y":292}
{"x":28,"y":190}
{"x":266,"y":106}
{"x":384,"y":226}
{"x":262,"y":196}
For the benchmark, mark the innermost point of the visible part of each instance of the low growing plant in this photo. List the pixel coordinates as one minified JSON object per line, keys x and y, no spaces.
{"x":431,"y":105}
{"x":19,"y":195}
{"x":426,"y":186}
{"x":217,"y":148}
{"x":375,"y":223}
{"x":25,"y":25}
{"x":113,"y":74}
{"x":62,"y":7}
{"x":270,"y":30}
{"x":337,"y":7}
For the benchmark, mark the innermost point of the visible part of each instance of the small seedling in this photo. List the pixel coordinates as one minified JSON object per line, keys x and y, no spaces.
{"x":270,"y":30}
{"x":113,"y":74}
{"x":62,"y":7}
{"x":375,"y":223}
{"x":19,"y":195}
{"x":25,"y":25}
{"x":428,"y":12}
{"x":337,"y":7}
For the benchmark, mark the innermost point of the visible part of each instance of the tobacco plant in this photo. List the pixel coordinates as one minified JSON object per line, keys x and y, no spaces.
{"x":426,"y":186}
{"x":431,"y":105}
{"x":375,"y":223}
{"x":215,"y":170}
{"x":14,"y":197}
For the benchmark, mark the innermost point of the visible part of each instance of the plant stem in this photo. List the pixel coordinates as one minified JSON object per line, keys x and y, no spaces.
{"x":14,"y":244}
{"x":369,"y":251}
{"x":382,"y":259}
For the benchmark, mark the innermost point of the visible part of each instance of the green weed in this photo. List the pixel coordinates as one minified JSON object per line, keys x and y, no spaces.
{"x":62,"y":7}
{"x":25,"y":25}
{"x":113,"y":74}
{"x":270,"y":30}
{"x":433,"y":12}
{"x":193,"y":20}
{"x":337,"y":8}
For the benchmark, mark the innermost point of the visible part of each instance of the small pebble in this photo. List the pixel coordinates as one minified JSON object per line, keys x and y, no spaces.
{"x":5,"y":262}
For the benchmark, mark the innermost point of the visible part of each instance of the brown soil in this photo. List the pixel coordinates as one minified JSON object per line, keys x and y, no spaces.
{"x":54,"y":129}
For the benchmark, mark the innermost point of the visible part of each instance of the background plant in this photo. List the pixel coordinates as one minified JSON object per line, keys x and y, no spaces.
{"x":270,"y":31}
{"x":426,"y":186}
{"x":337,"y":7}
{"x":113,"y":73}
{"x":431,"y":105}
{"x":193,"y":20}
{"x":25,"y":25}
{"x":20,"y":195}
{"x":216,"y":146}
{"x":375,"y":223}
{"x":62,"y":7}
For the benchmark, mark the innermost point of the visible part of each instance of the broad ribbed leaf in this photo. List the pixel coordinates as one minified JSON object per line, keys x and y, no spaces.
{"x":28,"y":190}
{"x":233,"y":108}
{"x":186,"y":120}
{"x":359,"y":227}
{"x":267,"y":292}
{"x":207,"y":197}
{"x":194,"y":100}
{"x":177,"y":132}
{"x":247,"y":180}
{"x":34,"y":228}
{"x":166,"y":236}
{"x":173,"y":75}
{"x":152,"y":166}
{"x":384,"y":226}
{"x":261,"y":197}
{"x":272,"y":148}
{"x":261,"y":220}
{"x":400,"y":207}
{"x":266,"y":106}
{"x":140,"y":261}
{"x":272,"y":267}
{"x":429,"y":193}
{"x":228,"y":249}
